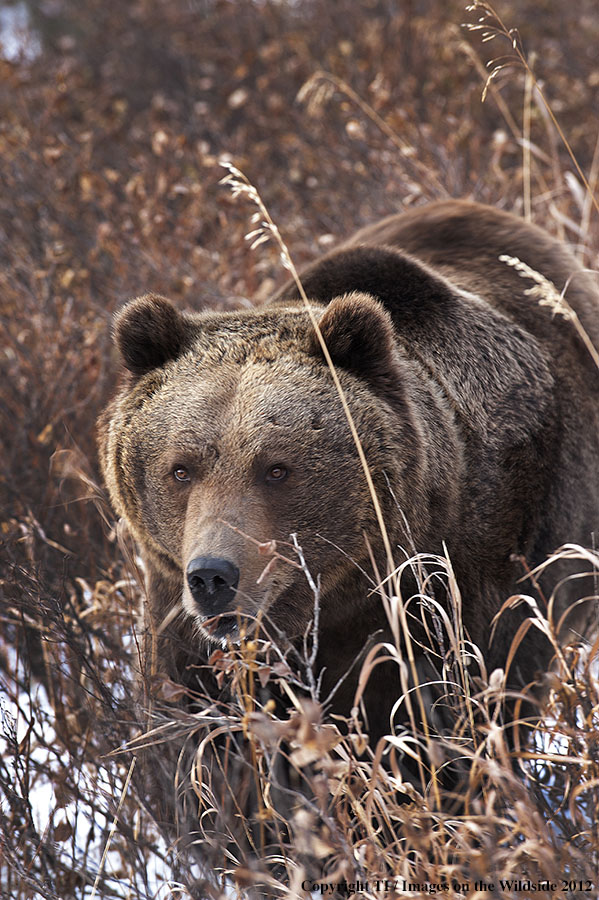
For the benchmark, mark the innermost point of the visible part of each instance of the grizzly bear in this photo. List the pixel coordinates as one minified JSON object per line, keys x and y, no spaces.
{"x":477,"y":408}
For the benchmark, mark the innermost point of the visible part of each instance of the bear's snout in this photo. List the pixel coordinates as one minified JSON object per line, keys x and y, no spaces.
{"x":213,"y":583}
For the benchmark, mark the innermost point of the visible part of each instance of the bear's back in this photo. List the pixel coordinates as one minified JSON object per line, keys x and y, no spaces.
{"x":464,"y":242}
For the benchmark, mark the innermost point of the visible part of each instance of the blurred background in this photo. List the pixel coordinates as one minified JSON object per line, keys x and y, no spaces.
{"x":113,"y":119}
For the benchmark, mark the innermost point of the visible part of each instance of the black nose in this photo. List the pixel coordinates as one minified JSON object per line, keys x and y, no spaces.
{"x":212,"y":583}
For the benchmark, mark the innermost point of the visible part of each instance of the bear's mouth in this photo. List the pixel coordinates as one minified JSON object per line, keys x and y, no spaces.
{"x":223,"y":630}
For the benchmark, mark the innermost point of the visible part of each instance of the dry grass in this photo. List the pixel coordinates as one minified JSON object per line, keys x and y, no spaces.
{"x":110,"y":142}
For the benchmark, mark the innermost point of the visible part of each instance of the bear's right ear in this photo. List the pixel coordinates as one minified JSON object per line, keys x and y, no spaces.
{"x":150,"y":332}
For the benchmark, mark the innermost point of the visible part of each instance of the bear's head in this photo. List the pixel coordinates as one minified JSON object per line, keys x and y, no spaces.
{"x":229,"y":433}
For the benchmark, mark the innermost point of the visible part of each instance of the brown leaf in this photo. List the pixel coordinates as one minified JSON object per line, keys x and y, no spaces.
{"x":172,"y":691}
{"x":63,"y":831}
{"x":264,"y":675}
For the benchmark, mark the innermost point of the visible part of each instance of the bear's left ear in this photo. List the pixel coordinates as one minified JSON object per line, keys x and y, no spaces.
{"x":150,"y":332}
{"x":359,"y":334}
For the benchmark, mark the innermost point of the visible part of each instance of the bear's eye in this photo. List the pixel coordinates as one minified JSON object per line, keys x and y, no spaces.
{"x":277,"y":473}
{"x":180,"y":473}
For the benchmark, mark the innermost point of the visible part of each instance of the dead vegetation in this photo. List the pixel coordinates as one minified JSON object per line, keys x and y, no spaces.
{"x":110,"y":139}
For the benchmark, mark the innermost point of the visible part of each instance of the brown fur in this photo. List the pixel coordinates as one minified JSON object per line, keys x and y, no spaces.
{"x":477,"y":409}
